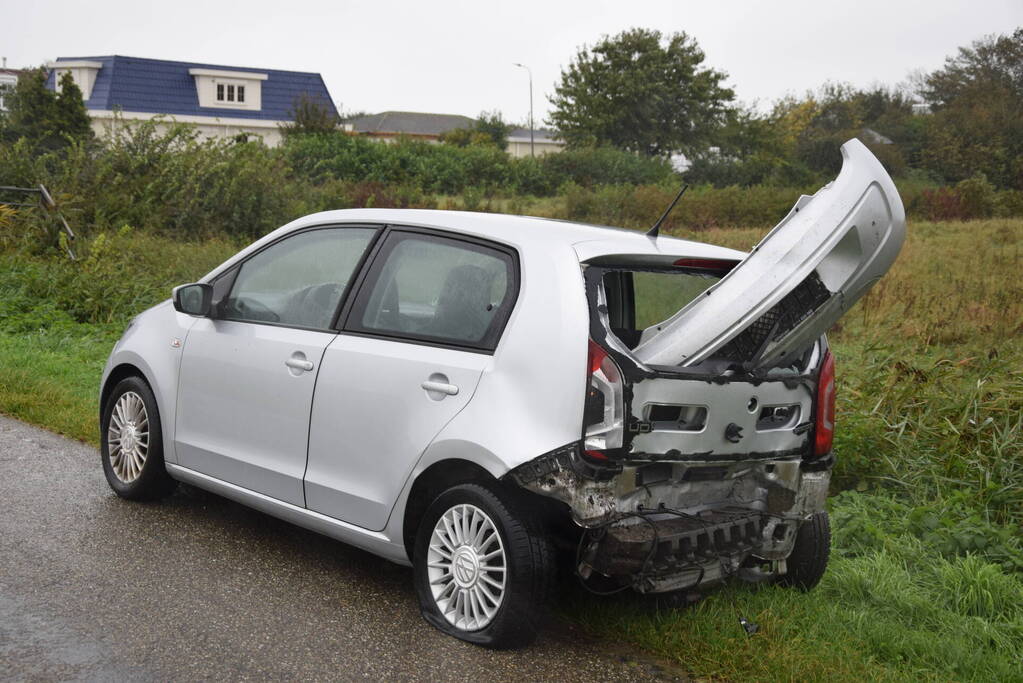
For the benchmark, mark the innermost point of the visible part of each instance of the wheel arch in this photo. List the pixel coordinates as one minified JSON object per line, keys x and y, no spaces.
{"x":430,"y":483}
{"x":116,"y":374}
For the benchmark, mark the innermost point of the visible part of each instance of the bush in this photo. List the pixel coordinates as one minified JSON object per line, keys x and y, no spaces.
{"x":451,"y":169}
{"x":977,"y":196}
{"x":605,"y":166}
{"x":165,"y":178}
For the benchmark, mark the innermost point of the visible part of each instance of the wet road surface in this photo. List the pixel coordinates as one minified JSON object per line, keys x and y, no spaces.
{"x":198,"y":587}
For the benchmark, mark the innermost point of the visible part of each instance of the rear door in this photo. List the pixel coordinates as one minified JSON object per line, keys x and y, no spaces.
{"x":420,"y":333}
{"x":801,"y":278}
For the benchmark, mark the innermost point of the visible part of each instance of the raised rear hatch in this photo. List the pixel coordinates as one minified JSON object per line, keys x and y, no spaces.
{"x":802,"y":277}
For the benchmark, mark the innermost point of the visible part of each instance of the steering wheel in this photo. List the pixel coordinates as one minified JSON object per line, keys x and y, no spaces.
{"x":250,"y":309}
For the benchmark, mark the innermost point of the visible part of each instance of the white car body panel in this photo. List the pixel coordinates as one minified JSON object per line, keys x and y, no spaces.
{"x":147,"y":345}
{"x":374,"y":542}
{"x":372,"y":420}
{"x":530,"y":398}
{"x":849,"y":232}
{"x":243,"y":415}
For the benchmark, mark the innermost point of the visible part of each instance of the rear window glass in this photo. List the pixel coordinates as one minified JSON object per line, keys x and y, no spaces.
{"x":661,"y":295}
{"x":639,"y":300}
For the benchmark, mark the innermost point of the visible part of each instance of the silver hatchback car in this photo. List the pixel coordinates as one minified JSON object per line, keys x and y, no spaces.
{"x":478,"y":395}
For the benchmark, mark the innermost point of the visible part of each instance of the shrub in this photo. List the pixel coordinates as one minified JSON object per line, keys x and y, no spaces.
{"x":977,"y":196}
{"x":939,"y":204}
{"x":605,"y":166}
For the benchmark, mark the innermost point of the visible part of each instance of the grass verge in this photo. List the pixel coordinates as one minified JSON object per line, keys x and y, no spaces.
{"x":925,"y":579}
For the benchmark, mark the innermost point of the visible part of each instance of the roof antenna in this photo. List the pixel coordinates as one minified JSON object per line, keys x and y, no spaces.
{"x":653,"y":232}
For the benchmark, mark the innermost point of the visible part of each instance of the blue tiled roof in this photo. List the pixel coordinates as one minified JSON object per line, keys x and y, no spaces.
{"x":163,"y":87}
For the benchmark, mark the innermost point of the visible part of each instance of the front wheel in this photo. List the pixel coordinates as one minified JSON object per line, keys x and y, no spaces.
{"x":131,"y":443}
{"x":483,"y":567}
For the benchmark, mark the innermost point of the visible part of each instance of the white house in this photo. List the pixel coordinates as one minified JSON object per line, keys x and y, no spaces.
{"x":8,"y":79}
{"x":221,"y":101}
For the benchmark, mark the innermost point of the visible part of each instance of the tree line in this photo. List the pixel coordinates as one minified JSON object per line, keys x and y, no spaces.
{"x":654,"y":94}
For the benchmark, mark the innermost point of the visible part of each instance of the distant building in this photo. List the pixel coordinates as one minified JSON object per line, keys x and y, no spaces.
{"x":221,"y":101}
{"x":871,"y":135}
{"x":543,"y":142}
{"x":8,"y":79}
{"x":389,"y":125}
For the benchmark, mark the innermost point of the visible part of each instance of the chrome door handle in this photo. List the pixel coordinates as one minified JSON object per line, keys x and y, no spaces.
{"x":441,"y":388}
{"x":299,"y":364}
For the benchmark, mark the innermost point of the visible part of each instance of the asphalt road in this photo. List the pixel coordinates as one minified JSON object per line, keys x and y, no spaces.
{"x":198,"y":587}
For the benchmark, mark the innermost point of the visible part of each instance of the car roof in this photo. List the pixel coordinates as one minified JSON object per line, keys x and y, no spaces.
{"x":529,"y":232}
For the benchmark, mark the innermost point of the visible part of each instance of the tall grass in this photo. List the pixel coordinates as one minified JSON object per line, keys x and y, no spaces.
{"x":897,"y":613}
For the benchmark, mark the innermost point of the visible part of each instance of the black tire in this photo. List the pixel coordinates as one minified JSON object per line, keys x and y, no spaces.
{"x":810,"y":553}
{"x":152,"y":482}
{"x":529,"y":561}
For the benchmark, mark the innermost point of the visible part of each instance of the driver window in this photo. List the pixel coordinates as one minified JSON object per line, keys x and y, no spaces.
{"x":299,"y":280}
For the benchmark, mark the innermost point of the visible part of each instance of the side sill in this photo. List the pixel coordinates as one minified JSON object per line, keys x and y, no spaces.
{"x":371,"y":541}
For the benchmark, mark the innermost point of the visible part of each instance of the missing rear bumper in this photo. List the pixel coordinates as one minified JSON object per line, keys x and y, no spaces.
{"x":669,"y":526}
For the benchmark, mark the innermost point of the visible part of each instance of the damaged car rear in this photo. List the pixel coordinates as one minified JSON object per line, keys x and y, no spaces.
{"x":706,"y":443}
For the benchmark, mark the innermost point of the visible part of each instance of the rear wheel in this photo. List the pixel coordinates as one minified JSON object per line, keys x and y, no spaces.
{"x":131,"y":443}
{"x":810,"y":553}
{"x":483,"y":567}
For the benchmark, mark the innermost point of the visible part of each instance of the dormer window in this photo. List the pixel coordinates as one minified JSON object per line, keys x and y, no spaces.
{"x":228,"y":89}
{"x":82,"y":72}
{"x":229,"y":92}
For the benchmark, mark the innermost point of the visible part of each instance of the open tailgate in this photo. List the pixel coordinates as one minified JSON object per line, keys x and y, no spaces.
{"x":802,"y":277}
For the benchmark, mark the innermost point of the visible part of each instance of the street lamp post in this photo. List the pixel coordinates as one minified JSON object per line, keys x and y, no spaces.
{"x":530,"y":71}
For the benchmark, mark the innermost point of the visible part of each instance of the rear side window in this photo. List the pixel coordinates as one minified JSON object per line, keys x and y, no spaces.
{"x":435,"y":289}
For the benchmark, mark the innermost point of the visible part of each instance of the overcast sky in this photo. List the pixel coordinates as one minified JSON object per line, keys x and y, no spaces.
{"x":457,"y":56}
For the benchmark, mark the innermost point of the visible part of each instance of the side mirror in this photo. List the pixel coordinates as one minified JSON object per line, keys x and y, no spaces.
{"x":194,"y":299}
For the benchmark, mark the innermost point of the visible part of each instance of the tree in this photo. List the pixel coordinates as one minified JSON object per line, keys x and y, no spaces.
{"x":48,"y":120}
{"x":749,"y":149}
{"x":992,"y":62}
{"x":310,"y":115}
{"x":493,"y":126}
{"x":640,"y":91}
{"x":489,"y":129}
{"x":977,"y":97}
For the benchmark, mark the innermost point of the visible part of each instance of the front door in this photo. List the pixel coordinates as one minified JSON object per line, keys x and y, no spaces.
{"x":419,"y":337}
{"x":247,"y":374}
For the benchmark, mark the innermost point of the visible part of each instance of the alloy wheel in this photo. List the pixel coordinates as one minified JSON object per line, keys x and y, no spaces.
{"x":128,"y":437}
{"x":466,"y":567}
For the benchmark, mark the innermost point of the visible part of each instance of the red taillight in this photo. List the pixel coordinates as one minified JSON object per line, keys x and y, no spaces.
{"x":596,"y":356}
{"x":824,"y":425}
{"x":603,"y":421}
{"x":706,"y":264}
